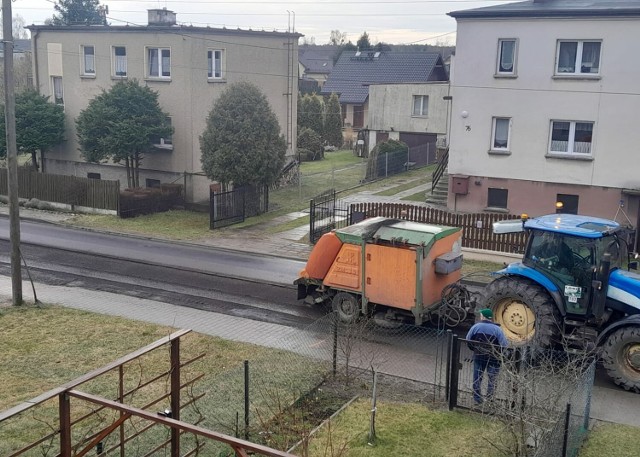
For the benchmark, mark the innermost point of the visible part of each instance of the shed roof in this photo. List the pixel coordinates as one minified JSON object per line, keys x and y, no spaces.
{"x":354,"y":72}
{"x":555,"y":8}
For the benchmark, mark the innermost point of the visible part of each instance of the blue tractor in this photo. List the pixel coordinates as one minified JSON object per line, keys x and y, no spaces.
{"x":574,"y":287}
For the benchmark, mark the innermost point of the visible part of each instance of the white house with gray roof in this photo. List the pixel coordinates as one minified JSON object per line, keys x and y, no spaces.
{"x":188,"y":66}
{"x":356,"y":71}
{"x":544,"y":110}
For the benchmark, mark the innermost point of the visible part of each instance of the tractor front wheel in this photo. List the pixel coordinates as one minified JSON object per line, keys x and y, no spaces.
{"x":346,"y":306}
{"x":621,"y":357}
{"x":525,"y":311}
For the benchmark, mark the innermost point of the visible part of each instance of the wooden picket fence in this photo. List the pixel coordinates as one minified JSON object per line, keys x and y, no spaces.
{"x":70,"y":190}
{"x":476,"y":228}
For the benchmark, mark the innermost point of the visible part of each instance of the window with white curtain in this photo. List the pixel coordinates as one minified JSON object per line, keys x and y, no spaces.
{"x":57,"y":89}
{"x":506,"y":57}
{"x":159,"y":63}
{"x":88,"y":61}
{"x":571,"y":137}
{"x":501,"y":131}
{"x":420,"y":105}
{"x":119,"y":58}
{"x":215,"y":64}
{"x":578,"y":57}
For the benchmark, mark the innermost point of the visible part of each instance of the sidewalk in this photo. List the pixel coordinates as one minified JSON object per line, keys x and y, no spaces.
{"x":610,"y":405}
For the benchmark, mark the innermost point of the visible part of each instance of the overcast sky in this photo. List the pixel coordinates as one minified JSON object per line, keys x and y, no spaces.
{"x":391,"y":21}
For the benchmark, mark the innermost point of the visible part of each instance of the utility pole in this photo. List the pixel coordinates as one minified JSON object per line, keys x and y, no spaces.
{"x":12,"y":153}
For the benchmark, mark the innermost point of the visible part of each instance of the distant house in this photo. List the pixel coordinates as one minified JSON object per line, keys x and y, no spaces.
{"x":188,"y":66}
{"x":544,"y":109}
{"x":316,"y":62}
{"x":21,"y":49}
{"x":416,"y":114}
{"x":355,"y":71}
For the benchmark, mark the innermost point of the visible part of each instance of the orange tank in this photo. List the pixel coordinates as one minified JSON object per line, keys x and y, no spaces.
{"x":322,"y":256}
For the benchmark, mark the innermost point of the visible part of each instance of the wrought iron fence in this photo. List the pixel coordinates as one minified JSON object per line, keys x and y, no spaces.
{"x":226,"y":208}
{"x":326,"y":213}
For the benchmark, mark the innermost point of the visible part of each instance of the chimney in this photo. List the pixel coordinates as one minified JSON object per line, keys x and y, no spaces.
{"x":161,"y":17}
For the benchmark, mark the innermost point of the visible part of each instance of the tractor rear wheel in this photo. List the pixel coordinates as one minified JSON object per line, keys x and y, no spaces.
{"x":621,"y":357}
{"x":525,"y":311}
{"x":346,"y":306}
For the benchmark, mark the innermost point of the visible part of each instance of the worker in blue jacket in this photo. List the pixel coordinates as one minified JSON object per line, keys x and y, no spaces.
{"x":486,"y":339}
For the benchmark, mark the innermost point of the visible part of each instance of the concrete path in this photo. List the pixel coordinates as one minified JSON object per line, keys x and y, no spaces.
{"x":611,"y":405}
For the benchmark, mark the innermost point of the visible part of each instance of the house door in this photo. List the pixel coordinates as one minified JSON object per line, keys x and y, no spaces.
{"x":358,"y":116}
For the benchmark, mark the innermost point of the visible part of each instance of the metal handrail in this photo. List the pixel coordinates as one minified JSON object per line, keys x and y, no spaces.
{"x":439,"y":171}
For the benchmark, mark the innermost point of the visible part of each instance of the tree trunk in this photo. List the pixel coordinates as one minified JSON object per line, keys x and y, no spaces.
{"x":34,"y":160}
{"x":136,"y":165}
{"x":129,"y":180}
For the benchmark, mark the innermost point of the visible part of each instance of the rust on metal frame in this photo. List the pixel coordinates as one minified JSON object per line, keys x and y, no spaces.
{"x":240,"y":446}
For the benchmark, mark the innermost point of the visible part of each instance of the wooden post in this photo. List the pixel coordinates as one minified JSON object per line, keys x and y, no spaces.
{"x":121,"y":400}
{"x":64,"y":407}
{"x":246,"y":399}
{"x":175,"y":395}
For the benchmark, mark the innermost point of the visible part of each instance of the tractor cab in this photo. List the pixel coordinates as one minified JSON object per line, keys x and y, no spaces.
{"x":574,"y":255}
{"x":574,"y":263}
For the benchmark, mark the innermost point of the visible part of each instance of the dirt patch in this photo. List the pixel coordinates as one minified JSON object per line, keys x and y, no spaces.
{"x":294,"y":423}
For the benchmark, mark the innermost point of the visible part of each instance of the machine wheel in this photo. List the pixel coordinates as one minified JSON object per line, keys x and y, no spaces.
{"x":524,"y":310}
{"x":621,"y":357}
{"x":347,"y":307}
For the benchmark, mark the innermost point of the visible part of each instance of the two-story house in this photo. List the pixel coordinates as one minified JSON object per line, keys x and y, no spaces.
{"x":416,"y":114}
{"x":356,"y":71}
{"x":545,"y":98}
{"x":188,"y":66}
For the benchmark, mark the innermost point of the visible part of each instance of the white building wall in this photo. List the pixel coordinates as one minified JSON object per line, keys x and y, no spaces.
{"x":187,"y":97}
{"x":535,"y":97}
{"x":391,"y":106}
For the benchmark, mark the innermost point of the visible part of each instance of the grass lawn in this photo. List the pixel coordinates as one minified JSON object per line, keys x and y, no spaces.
{"x":478,"y":270}
{"x":417,"y":197}
{"x":45,"y":346}
{"x":405,"y":430}
{"x":340,"y":170}
{"x":612,"y":440}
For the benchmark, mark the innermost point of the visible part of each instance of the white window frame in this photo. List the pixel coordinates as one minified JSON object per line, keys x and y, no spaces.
{"x":494,"y":123}
{"x":53,"y":90}
{"x":424,"y":106}
{"x":114,"y":60}
{"x":501,"y":41}
{"x":578,"y":63}
{"x":211,"y":76}
{"x":84,"y":71}
{"x":572,"y":137}
{"x":147,"y":69}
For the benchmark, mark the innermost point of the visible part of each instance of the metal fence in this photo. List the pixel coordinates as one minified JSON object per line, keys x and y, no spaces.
{"x":390,"y":163}
{"x":70,"y":190}
{"x":231,"y":207}
{"x":326,"y":213}
{"x":541,"y":395}
{"x":476,"y":228}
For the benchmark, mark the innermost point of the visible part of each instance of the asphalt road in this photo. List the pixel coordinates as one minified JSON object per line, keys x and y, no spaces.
{"x":243,"y":285}
{"x":273,"y":270}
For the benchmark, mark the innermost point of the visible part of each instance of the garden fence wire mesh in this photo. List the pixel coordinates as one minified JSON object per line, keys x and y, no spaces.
{"x":543,"y":393}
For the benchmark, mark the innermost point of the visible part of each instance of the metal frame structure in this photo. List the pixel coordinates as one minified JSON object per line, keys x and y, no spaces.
{"x":69,"y":390}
